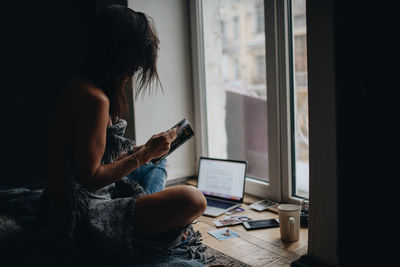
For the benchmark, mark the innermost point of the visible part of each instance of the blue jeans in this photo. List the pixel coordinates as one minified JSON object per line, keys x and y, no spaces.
{"x":150,"y":176}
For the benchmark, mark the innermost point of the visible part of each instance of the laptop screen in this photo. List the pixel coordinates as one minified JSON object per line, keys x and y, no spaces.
{"x":222,"y":178}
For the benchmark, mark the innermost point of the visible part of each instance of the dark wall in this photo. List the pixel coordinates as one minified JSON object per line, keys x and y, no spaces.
{"x":42,"y":46}
{"x":366,"y":55}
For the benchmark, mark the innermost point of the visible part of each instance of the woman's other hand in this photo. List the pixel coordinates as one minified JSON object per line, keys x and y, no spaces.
{"x":159,"y":144}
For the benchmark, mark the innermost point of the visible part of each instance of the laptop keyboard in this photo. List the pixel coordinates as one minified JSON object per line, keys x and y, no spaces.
{"x":218,"y":204}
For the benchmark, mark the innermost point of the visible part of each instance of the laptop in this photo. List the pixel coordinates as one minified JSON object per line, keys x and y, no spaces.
{"x":222,"y":183}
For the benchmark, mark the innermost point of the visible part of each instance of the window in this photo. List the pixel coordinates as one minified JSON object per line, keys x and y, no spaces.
{"x":251,"y":94}
{"x":259,"y":8}
{"x":236,"y":27}
{"x":300,"y":99}
{"x":236,"y":100}
{"x":237,"y":70}
{"x":223,"y":30}
{"x":260,"y":70}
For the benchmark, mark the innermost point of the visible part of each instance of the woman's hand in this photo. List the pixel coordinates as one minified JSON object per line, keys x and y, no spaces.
{"x":137,"y":148}
{"x":159,"y":144}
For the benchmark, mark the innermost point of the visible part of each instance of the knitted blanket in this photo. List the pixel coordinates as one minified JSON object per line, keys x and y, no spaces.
{"x":99,"y":228}
{"x":24,"y":238}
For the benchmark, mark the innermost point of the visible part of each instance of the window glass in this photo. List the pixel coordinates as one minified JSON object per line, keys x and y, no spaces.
{"x":260,"y":17}
{"x":234,"y":53}
{"x":300,"y":99}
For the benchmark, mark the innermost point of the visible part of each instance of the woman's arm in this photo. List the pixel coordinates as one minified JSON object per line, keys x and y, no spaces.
{"x":135,"y":149}
{"x":90,"y":143}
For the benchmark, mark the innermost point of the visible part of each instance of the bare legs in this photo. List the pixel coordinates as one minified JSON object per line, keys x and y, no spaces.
{"x":169,"y":209}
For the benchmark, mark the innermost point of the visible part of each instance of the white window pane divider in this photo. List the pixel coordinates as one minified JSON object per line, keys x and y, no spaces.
{"x":275,"y":46}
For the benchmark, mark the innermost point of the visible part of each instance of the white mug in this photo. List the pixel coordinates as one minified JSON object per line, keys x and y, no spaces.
{"x":289,"y":222}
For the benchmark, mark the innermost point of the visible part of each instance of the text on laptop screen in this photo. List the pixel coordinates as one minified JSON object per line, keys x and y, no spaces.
{"x":222,"y":178}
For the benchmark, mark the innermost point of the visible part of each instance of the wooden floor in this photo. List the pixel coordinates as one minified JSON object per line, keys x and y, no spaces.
{"x":257,"y":247}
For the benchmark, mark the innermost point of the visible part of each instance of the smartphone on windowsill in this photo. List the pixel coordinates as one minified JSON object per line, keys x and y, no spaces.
{"x":261,"y":224}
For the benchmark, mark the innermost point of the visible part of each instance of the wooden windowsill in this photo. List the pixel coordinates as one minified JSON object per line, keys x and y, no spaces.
{"x":257,"y":247}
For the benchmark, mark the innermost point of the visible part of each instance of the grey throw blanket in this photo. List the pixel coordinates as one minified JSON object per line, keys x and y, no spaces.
{"x":100,"y":228}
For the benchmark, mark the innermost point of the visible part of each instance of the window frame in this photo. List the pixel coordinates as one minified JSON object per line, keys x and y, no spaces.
{"x":276,"y":12}
{"x":291,"y":45}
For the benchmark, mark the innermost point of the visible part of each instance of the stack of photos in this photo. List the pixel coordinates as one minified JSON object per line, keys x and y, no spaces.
{"x":231,"y":220}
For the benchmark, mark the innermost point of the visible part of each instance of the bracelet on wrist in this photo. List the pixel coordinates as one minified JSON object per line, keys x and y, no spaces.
{"x":131,"y":153}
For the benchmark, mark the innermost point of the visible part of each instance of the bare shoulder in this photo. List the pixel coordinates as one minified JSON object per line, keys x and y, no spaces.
{"x":94,"y":96}
{"x":89,"y":96}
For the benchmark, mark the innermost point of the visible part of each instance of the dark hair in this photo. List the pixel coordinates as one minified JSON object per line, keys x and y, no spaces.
{"x":122,"y":44}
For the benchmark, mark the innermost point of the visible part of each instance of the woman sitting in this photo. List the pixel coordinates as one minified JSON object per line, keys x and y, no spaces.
{"x":102,"y":189}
